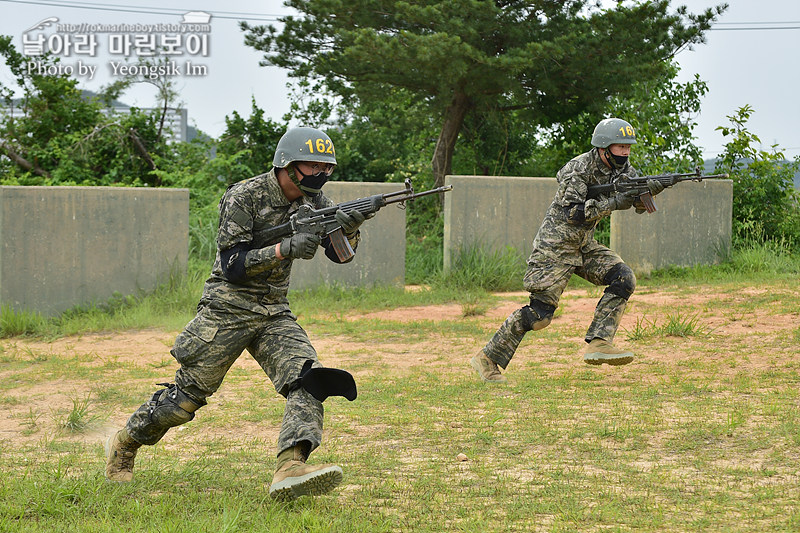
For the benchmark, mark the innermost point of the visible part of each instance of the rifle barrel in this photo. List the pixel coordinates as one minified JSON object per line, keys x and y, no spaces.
{"x":417,"y":194}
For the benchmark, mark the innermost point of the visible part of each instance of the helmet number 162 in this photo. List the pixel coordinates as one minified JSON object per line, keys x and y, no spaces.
{"x":322,"y":146}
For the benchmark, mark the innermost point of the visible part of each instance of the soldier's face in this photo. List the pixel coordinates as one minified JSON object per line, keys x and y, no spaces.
{"x":623,"y":150}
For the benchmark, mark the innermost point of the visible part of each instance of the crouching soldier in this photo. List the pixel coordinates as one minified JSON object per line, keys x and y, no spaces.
{"x":244,"y":306}
{"x":565,"y":245}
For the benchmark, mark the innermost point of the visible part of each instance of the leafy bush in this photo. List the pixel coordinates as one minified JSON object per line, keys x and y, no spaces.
{"x":765,"y":201}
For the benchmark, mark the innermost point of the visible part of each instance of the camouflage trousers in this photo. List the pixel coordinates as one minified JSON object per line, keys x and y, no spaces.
{"x":546,"y":281}
{"x":211,"y":343}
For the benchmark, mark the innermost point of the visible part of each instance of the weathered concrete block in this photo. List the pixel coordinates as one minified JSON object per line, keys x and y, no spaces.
{"x":494,"y":213}
{"x":69,"y":246}
{"x":693,"y":225}
{"x":381,"y":255}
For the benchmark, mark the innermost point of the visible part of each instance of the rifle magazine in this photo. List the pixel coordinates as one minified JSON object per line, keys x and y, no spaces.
{"x":341,"y":245}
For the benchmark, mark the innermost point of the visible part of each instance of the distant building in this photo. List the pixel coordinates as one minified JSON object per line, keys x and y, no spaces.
{"x":176,"y":126}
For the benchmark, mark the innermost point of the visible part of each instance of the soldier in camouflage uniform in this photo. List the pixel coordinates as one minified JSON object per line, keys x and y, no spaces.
{"x":244,"y":306}
{"x":565,"y":245}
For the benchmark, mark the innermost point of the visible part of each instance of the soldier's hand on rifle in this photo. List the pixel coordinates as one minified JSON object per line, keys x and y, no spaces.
{"x":351,"y":222}
{"x":622,"y":200}
{"x":655,"y":186}
{"x":300,"y":246}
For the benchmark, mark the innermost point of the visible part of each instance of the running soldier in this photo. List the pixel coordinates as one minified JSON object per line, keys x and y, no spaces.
{"x":565,"y":245}
{"x":244,"y":306}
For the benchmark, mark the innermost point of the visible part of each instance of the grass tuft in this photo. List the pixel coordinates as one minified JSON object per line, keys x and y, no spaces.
{"x":79,"y":418}
{"x":676,"y":325}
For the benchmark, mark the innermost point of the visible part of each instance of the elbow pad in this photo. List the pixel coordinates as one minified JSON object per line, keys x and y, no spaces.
{"x":233,"y":260}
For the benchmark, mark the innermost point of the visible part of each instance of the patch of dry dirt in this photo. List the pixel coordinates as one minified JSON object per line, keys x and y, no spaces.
{"x":759,"y":334}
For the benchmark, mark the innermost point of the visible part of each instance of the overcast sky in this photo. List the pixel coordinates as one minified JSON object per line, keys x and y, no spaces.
{"x":751,"y":57}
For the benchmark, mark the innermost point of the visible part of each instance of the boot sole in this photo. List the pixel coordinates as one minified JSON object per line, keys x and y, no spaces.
{"x":312,"y":484}
{"x":609,"y":359}
{"x":477,"y":366}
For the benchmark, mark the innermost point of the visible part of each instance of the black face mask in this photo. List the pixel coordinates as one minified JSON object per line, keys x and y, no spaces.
{"x":310,"y":184}
{"x":616,"y":161}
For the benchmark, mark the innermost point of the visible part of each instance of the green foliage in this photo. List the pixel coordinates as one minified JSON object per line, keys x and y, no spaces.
{"x":474,"y":60}
{"x":65,"y":138}
{"x":386,"y":140}
{"x":766,"y":205}
{"x":250,"y":142}
{"x":481,"y":268}
{"x":19,"y":323}
{"x":661,"y":110}
{"x":748,"y":260}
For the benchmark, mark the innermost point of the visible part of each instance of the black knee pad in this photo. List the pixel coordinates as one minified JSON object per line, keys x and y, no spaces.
{"x":171,"y":407}
{"x":323,"y":382}
{"x":537,"y":315}
{"x":621,"y":281}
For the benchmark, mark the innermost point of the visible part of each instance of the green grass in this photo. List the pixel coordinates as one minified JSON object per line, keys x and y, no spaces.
{"x":574,"y":450}
{"x":675,"y":325}
{"x":705,"y":442}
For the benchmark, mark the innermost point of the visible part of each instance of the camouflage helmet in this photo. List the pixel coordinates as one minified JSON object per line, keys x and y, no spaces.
{"x":304,"y":144}
{"x":613,"y":131}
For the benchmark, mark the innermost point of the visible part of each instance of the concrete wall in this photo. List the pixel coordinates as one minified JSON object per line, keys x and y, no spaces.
{"x":68,"y":246}
{"x":494,"y":212}
{"x":381,"y":255}
{"x":693,"y":225}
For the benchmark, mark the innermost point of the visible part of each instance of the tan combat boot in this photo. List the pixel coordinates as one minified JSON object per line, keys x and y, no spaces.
{"x":293,"y":478}
{"x":601,"y":351}
{"x":120,"y":453}
{"x":486,"y":368}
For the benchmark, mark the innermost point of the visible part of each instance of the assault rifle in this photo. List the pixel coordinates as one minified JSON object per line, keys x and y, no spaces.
{"x":323,"y":222}
{"x":639,"y":184}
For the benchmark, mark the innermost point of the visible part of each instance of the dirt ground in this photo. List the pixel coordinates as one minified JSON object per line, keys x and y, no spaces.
{"x":761,"y":334}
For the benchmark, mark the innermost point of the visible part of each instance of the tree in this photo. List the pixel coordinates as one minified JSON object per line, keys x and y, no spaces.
{"x":252,"y":140}
{"x":552,"y":60}
{"x":662,"y":111}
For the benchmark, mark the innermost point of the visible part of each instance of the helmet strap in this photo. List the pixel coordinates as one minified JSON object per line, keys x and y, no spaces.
{"x":292,"y":175}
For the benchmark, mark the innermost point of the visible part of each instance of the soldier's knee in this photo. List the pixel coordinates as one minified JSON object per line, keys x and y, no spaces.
{"x":321,"y":382}
{"x":536,"y":315}
{"x":172,"y":407}
{"x":621,"y":281}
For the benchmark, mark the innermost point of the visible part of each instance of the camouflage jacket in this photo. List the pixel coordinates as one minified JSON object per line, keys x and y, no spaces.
{"x":246,"y":210}
{"x":560,"y":238}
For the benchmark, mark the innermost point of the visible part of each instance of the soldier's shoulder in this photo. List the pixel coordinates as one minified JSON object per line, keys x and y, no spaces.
{"x":248,"y":184}
{"x":576,"y":165}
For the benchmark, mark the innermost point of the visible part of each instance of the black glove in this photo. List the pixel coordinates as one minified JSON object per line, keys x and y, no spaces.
{"x":655,"y":186}
{"x":351,"y":222}
{"x":300,"y":246}
{"x":622,"y":200}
